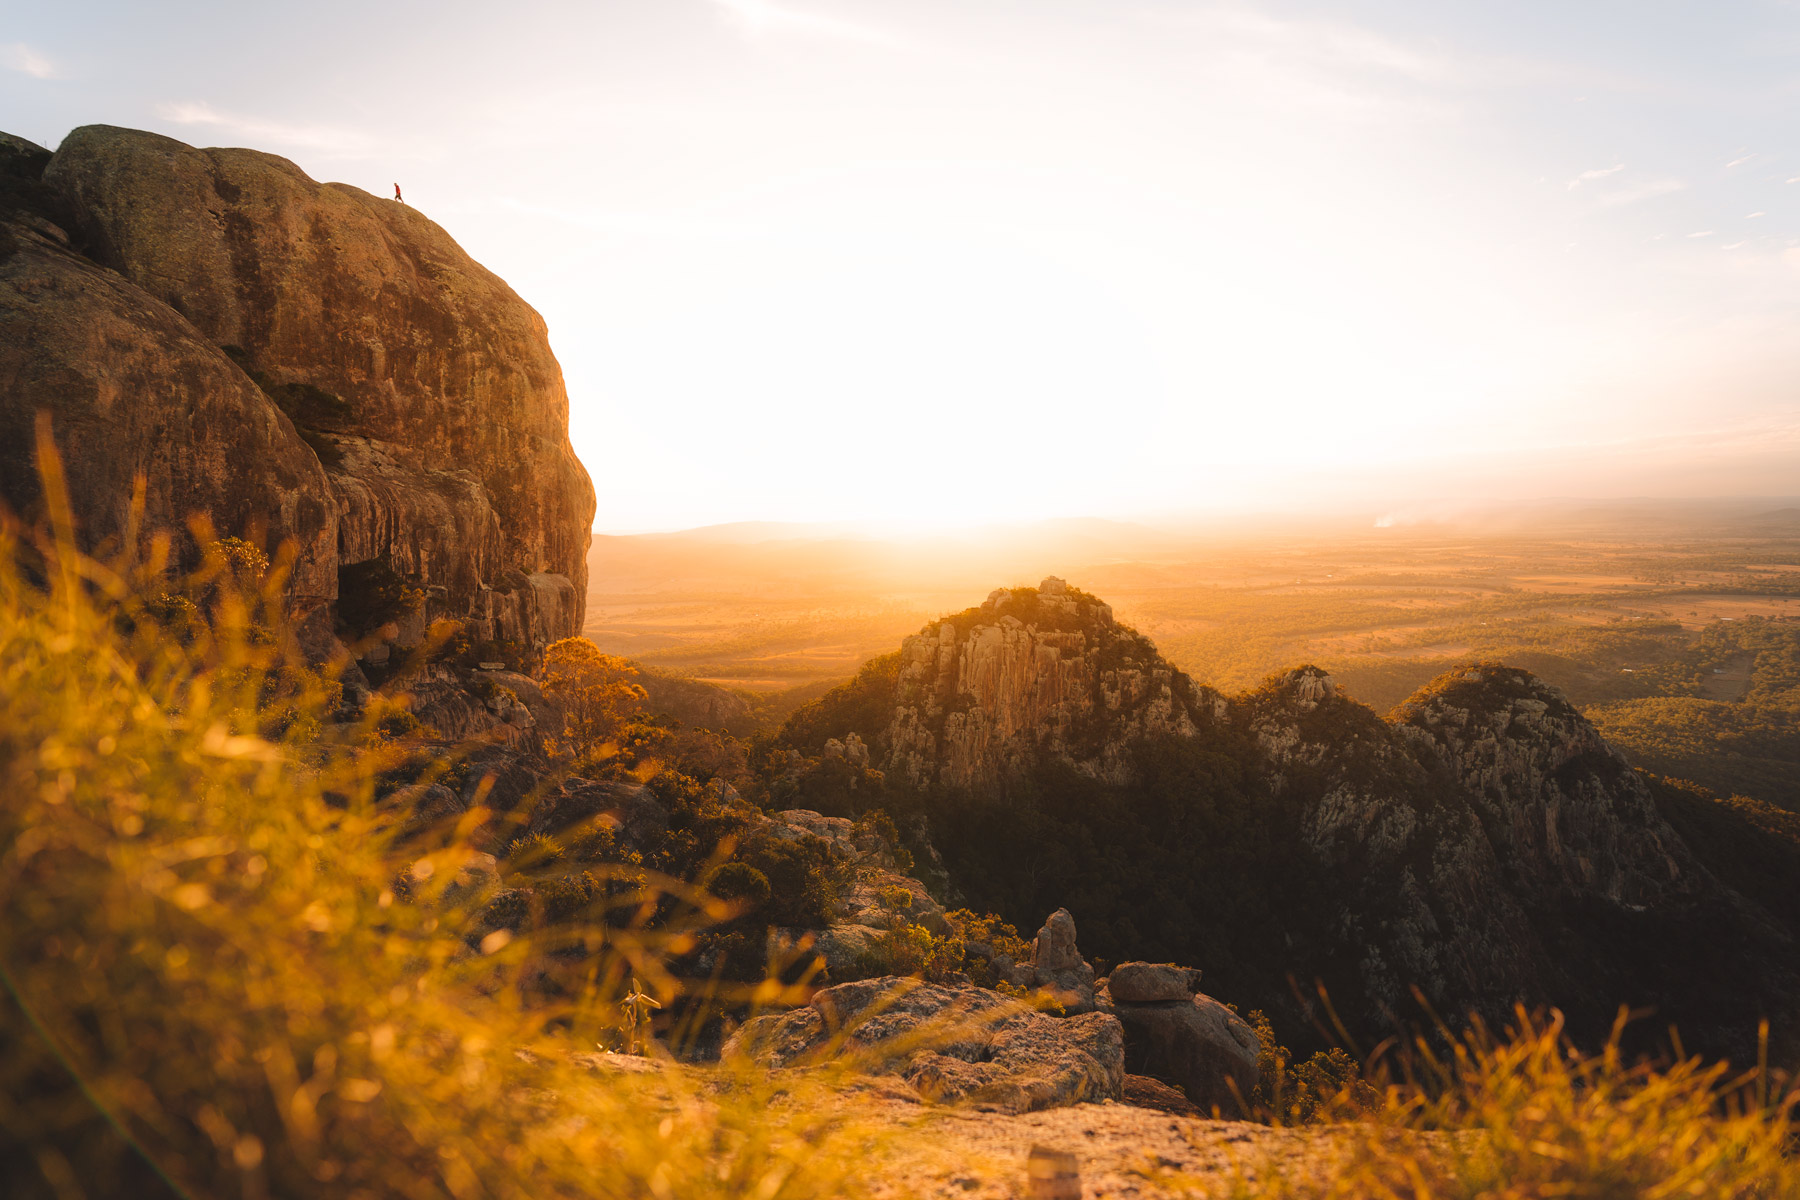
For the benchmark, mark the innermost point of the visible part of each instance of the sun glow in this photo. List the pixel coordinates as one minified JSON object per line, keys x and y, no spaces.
{"x":959,"y":263}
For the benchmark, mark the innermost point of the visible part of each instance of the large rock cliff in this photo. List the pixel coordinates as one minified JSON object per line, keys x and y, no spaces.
{"x":293,"y":357}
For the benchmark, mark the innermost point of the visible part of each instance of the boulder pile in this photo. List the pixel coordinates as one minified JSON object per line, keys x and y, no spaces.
{"x":1175,"y":1034}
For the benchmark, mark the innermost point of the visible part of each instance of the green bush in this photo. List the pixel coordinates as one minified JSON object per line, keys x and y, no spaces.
{"x":740,"y":883}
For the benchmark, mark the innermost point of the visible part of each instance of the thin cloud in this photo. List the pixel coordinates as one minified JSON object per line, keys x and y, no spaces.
{"x":1738,"y":162}
{"x":1754,"y":215}
{"x":1596,"y":173}
{"x":1632,"y":193}
{"x":1701,"y":233}
{"x":765,"y":16}
{"x":338,"y":142}
{"x":17,"y":56}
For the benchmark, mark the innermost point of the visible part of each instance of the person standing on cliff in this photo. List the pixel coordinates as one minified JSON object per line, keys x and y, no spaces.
{"x":397,"y":195}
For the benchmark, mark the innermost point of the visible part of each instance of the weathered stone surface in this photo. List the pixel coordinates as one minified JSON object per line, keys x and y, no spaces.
{"x":979,"y":701}
{"x":433,"y":418}
{"x":498,"y":706}
{"x":1054,"y":949}
{"x":952,"y":1044}
{"x":133,"y":389}
{"x":1141,"y":1091}
{"x":1148,"y":983}
{"x":1196,"y":1043}
{"x":21,"y":158}
{"x":1057,"y":967}
{"x":843,"y":946}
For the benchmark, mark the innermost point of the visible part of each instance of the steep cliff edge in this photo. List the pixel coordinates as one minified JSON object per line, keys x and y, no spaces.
{"x":1482,"y":842}
{"x":303,"y":357}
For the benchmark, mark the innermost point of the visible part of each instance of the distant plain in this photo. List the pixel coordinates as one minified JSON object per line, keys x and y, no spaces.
{"x":1676,"y":628}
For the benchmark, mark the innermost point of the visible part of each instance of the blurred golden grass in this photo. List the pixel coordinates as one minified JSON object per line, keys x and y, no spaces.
{"x":213,"y":989}
{"x":1526,"y":1115}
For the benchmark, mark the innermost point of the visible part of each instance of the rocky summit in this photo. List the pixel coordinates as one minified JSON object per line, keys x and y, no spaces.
{"x":1481,"y":843}
{"x":298,"y":361}
{"x":1033,"y":673}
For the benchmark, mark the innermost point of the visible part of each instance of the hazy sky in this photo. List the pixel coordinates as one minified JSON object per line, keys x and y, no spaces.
{"x":924,"y":260}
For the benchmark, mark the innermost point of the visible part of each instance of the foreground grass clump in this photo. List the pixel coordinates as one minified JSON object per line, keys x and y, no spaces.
{"x":214,"y":983}
{"x":1527,"y":1115}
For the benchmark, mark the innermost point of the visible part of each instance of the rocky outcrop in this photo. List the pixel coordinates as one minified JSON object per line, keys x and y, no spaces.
{"x":696,"y":704}
{"x":953,"y":1044}
{"x":135,"y":391}
{"x":1056,"y":968}
{"x":876,"y":894}
{"x":296,"y":359}
{"x":630,"y":809}
{"x":1033,"y":674}
{"x":1467,"y":829}
{"x":1562,"y":809}
{"x":1174,"y":1034}
{"x":1151,"y":983}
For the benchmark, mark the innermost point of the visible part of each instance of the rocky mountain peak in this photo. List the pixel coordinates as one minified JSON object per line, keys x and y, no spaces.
{"x":1481,"y":842}
{"x":1561,"y":807}
{"x":1032,"y":674}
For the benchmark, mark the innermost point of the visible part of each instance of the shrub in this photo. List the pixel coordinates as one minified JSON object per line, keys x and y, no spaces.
{"x":908,"y":949}
{"x":897,"y":898}
{"x":595,"y":690}
{"x":569,"y":897}
{"x":805,"y":879}
{"x":876,"y":823}
{"x":1327,"y":1086}
{"x":740,"y":882}
{"x":534,"y":850}
{"x":987,"y":938}
{"x":395,"y":723}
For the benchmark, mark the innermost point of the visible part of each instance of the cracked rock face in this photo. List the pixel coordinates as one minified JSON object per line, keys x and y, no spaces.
{"x":405,"y":406}
{"x":1196,"y":1042}
{"x":1033,"y":674}
{"x":1562,"y":808}
{"x":1465,"y":828}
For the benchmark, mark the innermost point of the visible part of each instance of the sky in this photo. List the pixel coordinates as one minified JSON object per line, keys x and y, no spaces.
{"x":918,"y":263}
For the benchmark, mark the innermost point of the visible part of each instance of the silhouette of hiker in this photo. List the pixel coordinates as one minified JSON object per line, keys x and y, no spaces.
{"x":397,"y":195}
